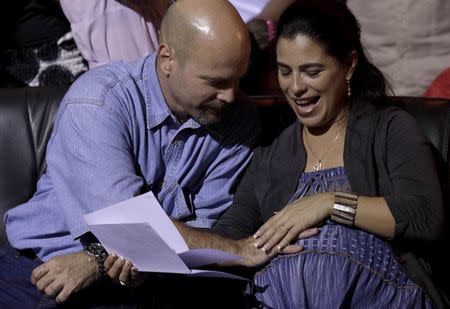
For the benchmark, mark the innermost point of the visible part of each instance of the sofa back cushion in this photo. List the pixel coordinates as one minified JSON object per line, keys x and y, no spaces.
{"x":26,"y":122}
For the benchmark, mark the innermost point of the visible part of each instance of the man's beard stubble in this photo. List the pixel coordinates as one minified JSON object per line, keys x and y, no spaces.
{"x":213,"y":113}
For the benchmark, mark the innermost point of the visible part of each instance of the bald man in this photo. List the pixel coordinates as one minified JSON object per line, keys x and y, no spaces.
{"x":169,"y":123}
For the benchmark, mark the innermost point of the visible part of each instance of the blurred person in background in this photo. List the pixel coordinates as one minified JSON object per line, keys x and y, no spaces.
{"x":110,"y":30}
{"x":409,"y":40}
{"x":38,"y":46}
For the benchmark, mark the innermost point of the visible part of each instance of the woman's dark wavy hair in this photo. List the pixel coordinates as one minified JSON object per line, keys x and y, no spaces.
{"x":333,"y":25}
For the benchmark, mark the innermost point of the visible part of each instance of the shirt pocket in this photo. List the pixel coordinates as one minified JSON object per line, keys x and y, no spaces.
{"x":183,"y":206}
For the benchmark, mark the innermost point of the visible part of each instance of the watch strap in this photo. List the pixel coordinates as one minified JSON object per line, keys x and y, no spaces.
{"x":100,"y":254}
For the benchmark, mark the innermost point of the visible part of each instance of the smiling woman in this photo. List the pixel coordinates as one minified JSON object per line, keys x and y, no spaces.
{"x":341,"y":167}
{"x":314,"y":84}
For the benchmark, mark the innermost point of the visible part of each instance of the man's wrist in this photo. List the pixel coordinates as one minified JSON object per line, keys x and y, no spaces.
{"x":99,"y":254}
{"x":93,"y":261}
{"x":243,"y":247}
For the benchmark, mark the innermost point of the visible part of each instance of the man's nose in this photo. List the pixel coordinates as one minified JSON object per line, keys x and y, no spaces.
{"x":227,"y":95}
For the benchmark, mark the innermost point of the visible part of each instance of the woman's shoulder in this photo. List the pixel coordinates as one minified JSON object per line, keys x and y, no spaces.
{"x":380,"y":110}
{"x":387,"y":121}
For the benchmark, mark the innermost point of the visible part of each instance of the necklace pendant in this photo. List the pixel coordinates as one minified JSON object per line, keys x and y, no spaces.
{"x":318,"y":166}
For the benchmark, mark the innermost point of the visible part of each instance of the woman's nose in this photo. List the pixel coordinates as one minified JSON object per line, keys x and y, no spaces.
{"x":298,"y":86}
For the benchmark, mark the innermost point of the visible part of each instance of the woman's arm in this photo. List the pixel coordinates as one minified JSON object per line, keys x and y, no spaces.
{"x":412,"y":205}
{"x":412,"y":190}
{"x":372,"y":215}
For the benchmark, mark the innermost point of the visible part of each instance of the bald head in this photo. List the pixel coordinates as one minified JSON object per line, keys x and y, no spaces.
{"x":190,"y":24}
{"x":204,"y":50}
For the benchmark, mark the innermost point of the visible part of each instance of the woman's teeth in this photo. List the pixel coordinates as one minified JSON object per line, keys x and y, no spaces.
{"x":306,"y":101}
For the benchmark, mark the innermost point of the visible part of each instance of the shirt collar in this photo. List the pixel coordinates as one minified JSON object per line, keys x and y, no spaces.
{"x":156,"y":105}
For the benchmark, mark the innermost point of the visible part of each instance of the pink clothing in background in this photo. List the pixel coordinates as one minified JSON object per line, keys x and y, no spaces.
{"x":249,"y":9}
{"x":106,"y":30}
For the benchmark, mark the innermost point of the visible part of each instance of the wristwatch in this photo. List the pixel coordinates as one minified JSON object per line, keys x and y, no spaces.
{"x":100,"y":254}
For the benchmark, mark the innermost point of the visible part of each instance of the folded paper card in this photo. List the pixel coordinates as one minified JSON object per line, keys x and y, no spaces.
{"x":139,"y":230}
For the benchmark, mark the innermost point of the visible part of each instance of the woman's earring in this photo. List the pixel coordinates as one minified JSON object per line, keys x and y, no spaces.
{"x":349,"y":88}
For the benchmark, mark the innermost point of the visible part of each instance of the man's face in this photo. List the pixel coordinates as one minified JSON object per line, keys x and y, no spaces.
{"x":205,"y":83}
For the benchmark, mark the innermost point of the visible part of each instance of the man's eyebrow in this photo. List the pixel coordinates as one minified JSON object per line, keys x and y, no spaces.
{"x":212,"y":78}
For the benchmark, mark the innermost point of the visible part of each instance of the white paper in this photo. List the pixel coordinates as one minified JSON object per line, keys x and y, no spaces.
{"x":140,"y":231}
{"x":141,"y":209}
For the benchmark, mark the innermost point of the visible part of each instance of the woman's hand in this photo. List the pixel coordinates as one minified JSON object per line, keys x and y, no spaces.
{"x":123,"y":271}
{"x":294,"y":221}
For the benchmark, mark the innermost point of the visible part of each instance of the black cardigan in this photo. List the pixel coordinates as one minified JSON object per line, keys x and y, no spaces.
{"x":385,"y":154}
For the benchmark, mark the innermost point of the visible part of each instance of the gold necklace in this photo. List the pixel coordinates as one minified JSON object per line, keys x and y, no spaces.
{"x":318,"y":165}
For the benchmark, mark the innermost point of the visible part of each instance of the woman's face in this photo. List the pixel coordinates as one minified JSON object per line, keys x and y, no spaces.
{"x":313,"y":82}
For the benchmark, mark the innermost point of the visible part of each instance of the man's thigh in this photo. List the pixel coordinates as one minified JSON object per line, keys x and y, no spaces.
{"x":16,"y":289}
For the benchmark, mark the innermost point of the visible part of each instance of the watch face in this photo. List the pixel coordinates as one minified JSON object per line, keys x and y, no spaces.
{"x":98,"y":250}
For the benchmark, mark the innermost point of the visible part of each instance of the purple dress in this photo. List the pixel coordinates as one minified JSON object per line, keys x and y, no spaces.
{"x":341,"y":267}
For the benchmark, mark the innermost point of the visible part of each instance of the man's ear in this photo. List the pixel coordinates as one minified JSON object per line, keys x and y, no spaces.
{"x":165,"y":57}
{"x":352,"y":62}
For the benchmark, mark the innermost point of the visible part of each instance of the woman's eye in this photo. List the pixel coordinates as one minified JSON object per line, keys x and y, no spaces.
{"x":284,"y":72}
{"x":313,"y":74}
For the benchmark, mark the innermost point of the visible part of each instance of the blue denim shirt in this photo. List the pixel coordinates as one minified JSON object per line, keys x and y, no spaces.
{"x":114,"y":138}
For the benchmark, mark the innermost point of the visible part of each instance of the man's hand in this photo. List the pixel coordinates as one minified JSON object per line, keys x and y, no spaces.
{"x":64,"y":275}
{"x":123,"y":271}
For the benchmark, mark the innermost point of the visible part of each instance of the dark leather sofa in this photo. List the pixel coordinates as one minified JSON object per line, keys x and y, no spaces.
{"x":26,"y":122}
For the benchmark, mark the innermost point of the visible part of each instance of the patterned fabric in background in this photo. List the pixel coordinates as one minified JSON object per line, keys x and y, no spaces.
{"x":52,"y":64}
